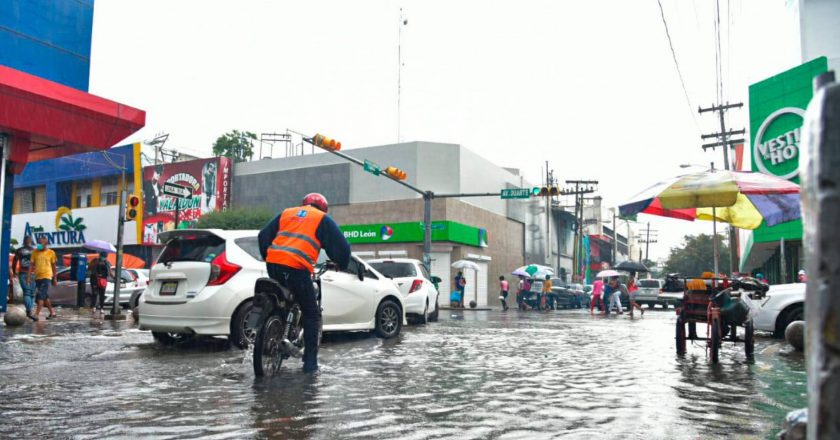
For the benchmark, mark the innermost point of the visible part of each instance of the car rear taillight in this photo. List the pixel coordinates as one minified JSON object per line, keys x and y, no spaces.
{"x":221,"y":270}
{"x":415,"y":286}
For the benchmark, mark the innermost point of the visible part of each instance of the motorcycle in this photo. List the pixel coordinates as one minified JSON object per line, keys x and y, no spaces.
{"x":278,"y":323}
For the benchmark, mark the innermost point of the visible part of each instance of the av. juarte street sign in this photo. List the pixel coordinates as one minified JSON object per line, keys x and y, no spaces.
{"x":776,"y":143}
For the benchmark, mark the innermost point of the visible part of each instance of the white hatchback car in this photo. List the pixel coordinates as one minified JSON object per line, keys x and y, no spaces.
{"x":414,"y":282}
{"x":782,"y":304}
{"x":203,"y":284}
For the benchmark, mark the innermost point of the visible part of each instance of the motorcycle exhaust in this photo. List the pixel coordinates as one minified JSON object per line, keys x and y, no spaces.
{"x":291,"y":349}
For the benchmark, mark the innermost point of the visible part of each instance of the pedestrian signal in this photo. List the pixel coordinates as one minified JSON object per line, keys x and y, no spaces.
{"x":132,"y":207}
{"x":326,"y":143}
{"x":396,"y":173}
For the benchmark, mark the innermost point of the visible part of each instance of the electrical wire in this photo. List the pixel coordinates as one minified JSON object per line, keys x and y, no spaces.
{"x":677,"y":65}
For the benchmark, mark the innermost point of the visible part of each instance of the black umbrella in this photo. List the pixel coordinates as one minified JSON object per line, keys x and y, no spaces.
{"x":631,"y":266}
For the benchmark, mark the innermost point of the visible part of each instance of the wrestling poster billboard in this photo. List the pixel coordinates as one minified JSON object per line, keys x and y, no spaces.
{"x":209,"y":184}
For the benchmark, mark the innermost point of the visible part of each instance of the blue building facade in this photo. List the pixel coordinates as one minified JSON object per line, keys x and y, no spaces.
{"x":48,"y":38}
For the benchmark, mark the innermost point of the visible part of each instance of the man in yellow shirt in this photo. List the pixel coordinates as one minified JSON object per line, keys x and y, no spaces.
{"x":546,"y":292}
{"x":43,"y":269}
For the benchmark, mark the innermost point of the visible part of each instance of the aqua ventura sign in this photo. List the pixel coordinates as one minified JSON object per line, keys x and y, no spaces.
{"x":55,"y":238}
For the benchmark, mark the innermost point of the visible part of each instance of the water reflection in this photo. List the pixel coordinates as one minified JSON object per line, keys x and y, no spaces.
{"x":473,"y":375}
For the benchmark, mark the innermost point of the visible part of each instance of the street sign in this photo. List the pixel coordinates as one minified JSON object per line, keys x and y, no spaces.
{"x":372,"y":167}
{"x":175,"y":190}
{"x":516,"y":193}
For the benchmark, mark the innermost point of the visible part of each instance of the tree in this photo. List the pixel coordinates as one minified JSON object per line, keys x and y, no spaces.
{"x":696,"y":256}
{"x":236,"y":219}
{"x":237,"y":145}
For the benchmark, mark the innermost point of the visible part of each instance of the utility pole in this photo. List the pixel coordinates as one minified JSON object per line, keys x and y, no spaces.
{"x":647,"y":241}
{"x":549,"y":259}
{"x":580,"y":188}
{"x":615,"y":239}
{"x":725,"y":141}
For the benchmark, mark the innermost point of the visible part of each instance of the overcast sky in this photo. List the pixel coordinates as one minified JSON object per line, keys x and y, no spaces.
{"x":590,"y":86}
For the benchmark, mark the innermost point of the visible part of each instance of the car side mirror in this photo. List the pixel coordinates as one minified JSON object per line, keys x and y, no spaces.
{"x":360,"y":272}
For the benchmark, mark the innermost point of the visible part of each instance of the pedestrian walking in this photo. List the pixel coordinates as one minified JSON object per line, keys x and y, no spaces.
{"x":632,"y":288}
{"x":504,"y":287}
{"x":612,"y":295}
{"x":460,"y":286}
{"x":99,"y":281}
{"x":597,"y":290}
{"x":43,"y":269}
{"x":21,"y":264}
{"x":524,"y":287}
{"x":545,"y":299}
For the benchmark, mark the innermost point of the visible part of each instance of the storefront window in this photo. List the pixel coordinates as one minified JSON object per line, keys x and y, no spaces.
{"x":29,"y":200}
{"x":110,"y":188}
{"x":83,"y":196}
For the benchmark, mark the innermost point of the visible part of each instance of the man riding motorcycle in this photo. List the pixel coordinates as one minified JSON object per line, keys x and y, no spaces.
{"x":290,"y":245}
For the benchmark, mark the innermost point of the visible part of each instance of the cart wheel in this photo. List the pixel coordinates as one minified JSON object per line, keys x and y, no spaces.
{"x":714,"y":340}
{"x":749,"y":339}
{"x":680,"y":336}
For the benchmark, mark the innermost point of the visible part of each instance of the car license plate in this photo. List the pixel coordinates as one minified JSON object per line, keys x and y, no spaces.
{"x":169,"y":288}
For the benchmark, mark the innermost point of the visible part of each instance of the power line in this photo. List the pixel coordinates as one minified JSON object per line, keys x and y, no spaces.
{"x":677,"y":65}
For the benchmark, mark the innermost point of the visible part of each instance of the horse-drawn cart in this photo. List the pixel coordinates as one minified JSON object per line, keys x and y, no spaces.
{"x":713,"y":301}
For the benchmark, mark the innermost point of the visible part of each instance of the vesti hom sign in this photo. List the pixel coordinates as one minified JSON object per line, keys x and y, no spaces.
{"x":776,"y":146}
{"x":776,"y":117}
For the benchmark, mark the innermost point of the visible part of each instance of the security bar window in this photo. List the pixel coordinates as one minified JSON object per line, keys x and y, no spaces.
{"x":29,"y":200}
{"x":84,"y":195}
{"x":108,"y":193}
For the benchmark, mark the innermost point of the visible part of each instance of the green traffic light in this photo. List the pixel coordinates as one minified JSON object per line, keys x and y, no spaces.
{"x":535,"y":191}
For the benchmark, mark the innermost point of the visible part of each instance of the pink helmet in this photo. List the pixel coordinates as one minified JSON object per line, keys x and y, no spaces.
{"x":316,"y":200}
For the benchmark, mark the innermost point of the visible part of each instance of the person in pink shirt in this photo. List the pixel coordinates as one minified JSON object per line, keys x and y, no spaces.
{"x":504,"y":288}
{"x":597,"y":290}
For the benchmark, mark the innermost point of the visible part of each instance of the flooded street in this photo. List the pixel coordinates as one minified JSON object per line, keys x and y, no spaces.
{"x":472,"y":375}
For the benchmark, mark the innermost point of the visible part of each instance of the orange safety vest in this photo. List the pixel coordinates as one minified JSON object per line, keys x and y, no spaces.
{"x":296,"y":244}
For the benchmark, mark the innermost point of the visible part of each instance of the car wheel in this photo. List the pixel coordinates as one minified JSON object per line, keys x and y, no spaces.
{"x":241,"y":334}
{"x":424,"y":318}
{"x":795,"y":313}
{"x":665,"y":306}
{"x":169,"y":339}
{"x":651,"y":305}
{"x":435,"y":314}
{"x":388,"y":320}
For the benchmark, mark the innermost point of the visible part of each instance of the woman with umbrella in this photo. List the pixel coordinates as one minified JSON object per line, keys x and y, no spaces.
{"x":100,"y":270}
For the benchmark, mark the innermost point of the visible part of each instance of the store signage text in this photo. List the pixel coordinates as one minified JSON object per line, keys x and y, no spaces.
{"x":772,"y":153}
{"x":55,"y":238}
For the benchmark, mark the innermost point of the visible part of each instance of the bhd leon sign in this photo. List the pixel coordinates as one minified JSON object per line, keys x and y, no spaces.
{"x":777,"y":109}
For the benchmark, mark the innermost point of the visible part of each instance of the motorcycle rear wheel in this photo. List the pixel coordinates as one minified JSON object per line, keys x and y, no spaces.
{"x":268,"y":349}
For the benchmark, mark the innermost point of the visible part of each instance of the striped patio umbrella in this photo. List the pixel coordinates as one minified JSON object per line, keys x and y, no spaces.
{"x":742,"y":199}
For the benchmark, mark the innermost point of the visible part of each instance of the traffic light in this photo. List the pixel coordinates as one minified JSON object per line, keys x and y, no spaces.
{"x":326,"y":143}
{"x":545,"y":191}
{"x":132,"y":207}
{"x":396,"y":173}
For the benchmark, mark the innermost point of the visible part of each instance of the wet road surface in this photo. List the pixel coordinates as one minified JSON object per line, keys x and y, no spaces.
{"x":475,"y":375}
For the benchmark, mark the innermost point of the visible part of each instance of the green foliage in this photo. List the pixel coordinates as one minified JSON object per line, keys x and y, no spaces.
{"x":696,"y":256}
{"x":234,"y":219}
{"x":237,"y":145}
{"x":70,"y":224}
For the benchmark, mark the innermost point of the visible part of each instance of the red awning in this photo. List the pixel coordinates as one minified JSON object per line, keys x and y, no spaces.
{"x":47,"y":120}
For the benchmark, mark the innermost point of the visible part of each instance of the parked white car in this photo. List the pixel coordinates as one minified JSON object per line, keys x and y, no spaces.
{"x":648,"y":293}
{"x":782,"y":304}
{"x":414,"y":282}
{"x":203,"y":284}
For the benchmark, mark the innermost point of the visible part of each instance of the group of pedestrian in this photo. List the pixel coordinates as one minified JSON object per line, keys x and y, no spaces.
{"x":542,"y":287}
{"x":606,"y":296}
{"x":35,"y":269}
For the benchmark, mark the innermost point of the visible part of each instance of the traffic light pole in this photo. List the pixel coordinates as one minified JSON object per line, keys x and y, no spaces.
{"x":115,"y":311}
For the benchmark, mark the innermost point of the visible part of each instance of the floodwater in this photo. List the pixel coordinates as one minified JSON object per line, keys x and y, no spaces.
{"x":478,"y":375}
